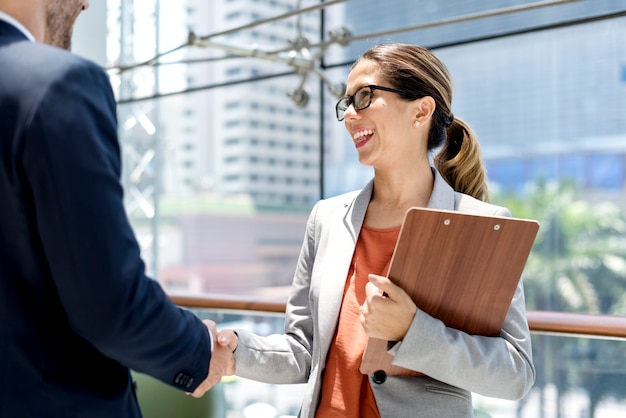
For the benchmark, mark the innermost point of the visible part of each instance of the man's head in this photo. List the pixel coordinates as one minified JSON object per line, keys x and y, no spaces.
{"x":60,"y":18}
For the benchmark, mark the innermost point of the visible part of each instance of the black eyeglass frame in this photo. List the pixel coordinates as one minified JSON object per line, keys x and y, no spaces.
{"x":349,"y":100}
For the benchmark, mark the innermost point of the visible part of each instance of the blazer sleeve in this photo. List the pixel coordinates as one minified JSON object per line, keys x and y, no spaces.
{"x":500,"y":367}
{"x":71,"y":163}
{"x":285,"y":358}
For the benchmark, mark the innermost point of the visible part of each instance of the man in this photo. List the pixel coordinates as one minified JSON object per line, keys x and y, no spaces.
{"x":76,"y":308}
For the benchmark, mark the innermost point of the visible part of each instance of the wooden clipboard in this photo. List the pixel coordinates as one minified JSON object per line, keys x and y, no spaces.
{"x":460,"y":268}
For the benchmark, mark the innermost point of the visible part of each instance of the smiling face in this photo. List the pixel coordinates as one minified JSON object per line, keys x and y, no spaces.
{"x":60,"y":18}
{"x":384,"y":133}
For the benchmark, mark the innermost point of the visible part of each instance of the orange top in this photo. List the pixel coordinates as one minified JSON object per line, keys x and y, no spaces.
{"x":346,"y":393}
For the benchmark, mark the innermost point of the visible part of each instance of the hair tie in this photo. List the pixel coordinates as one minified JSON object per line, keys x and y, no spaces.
{"x":448,"y":122}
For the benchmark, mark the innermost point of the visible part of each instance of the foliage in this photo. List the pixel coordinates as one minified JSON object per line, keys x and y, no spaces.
{"x":578,"y":264}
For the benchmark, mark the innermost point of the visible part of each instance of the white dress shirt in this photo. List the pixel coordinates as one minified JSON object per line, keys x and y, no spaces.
{"x":14,"y":22}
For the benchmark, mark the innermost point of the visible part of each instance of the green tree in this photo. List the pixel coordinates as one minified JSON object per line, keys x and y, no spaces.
{"x":578,"y":264}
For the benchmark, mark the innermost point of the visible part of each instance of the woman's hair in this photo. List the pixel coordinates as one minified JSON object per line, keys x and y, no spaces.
{"x":419,"y":73}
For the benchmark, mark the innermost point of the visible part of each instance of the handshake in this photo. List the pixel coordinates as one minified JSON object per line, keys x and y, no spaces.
{"x":222,"y":359}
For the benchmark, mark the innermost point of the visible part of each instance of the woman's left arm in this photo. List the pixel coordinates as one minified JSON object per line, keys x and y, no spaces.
{"x":499,"y":366}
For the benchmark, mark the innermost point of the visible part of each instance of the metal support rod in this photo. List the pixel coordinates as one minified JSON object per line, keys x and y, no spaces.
{"x":292,"y":60}
{"x":273,"y":19}
{"x":194,"y":40}
{"x":443,"y":22}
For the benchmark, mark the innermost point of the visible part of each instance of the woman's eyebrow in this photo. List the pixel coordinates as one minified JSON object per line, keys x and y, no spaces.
{"x":357,"y":89}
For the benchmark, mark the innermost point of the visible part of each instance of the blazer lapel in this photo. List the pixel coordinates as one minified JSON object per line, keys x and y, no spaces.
{"x":342,"y":240}
{"x":342,"y":237}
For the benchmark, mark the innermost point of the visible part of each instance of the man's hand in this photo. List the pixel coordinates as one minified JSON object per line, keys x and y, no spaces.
{"x":222,"y":362}
{"x":388,"y":310}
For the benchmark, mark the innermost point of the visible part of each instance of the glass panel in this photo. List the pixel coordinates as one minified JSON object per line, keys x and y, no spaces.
{"x":342,"y":172}
{"x":220,"y":142}
{"x":556,"y":120}
{"x":236,"y":179}
{"x":219,"y":180}
{"x":548,"y":110}
{"x":245,"y":398}
{"x":576,"y":378}
{"x":434,"y":23}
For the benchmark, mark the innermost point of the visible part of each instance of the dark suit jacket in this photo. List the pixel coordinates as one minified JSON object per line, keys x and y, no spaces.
{"x":76,"y":308}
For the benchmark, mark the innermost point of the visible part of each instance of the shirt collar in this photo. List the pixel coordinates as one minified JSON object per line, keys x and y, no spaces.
{"x":14,"y":22}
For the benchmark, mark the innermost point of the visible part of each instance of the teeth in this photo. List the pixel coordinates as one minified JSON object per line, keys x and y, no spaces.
{"x":359,"y":134}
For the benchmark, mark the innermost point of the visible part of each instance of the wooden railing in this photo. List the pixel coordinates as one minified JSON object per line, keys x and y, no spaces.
{"x":556,"y":323}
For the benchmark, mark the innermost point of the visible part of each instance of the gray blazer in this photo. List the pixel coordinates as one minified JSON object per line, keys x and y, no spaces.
{"x":456,"y":363}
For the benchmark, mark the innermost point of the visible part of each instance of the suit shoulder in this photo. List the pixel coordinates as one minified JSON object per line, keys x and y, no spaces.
{"x":36,"y":77}
{"x":324,"y":208}
{"x":339,"y":201}
{"x":43,"y":64}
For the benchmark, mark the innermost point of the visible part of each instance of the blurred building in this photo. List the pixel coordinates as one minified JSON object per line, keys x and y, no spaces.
{"x":213,"y":133}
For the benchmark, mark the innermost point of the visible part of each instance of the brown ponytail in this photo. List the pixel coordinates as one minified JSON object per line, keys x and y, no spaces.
{"x":460,"y":162}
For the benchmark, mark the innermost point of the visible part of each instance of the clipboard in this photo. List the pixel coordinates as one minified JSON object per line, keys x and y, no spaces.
{"x":461,"y":268}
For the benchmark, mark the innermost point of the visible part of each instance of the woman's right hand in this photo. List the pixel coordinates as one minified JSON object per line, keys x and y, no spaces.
{"x":228,"y":338}
{"x":388,"y":310}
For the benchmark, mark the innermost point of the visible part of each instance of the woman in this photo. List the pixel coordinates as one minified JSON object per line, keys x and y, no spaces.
{"x":397,"y":110}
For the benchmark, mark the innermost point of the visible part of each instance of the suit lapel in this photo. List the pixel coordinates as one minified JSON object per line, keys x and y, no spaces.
{"x":342,"y":237}
{"x":9,"y":33}
{"x":342,"y":240}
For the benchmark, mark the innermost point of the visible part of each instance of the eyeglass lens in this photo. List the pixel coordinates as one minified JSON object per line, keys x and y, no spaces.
{"x":361,"y":100}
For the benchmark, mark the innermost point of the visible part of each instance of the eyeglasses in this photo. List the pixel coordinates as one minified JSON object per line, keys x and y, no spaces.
{"x":362,"y":99}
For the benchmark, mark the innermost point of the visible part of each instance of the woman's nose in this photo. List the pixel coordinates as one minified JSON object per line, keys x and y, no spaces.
{"x":350,"y":112}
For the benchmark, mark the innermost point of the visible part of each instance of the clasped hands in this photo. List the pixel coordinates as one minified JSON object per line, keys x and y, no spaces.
{"x":386,"y":313}
{"x":222,"y":359}
{"x":388,"y":310}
